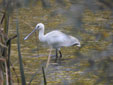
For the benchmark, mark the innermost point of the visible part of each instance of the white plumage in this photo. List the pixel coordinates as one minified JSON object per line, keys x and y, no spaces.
{"x":55,"y":39}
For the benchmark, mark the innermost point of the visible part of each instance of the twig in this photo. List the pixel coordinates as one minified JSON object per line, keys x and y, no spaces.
{"x":2,"y":18}
{"x":13,"y":37}
{"x":9,"y":40}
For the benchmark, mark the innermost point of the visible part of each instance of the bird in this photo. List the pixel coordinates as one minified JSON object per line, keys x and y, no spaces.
{"x":55,"y":39}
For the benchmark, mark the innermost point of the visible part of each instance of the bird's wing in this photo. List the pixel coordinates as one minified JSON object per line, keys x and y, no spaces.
{"x":58,"y":38}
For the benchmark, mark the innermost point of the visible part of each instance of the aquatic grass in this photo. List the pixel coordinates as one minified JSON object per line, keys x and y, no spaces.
{"x":44,"y":76}
{"x":20,"y":57}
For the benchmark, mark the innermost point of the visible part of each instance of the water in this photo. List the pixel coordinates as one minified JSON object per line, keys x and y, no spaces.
{"x":89,"y":65}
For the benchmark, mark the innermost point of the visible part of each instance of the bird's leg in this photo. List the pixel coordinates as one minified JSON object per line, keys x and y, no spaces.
{"x":56,"y":55}
{"x":60,"y":56}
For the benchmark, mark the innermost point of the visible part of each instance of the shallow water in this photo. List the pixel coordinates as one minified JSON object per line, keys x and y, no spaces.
{"x":90,"y":64}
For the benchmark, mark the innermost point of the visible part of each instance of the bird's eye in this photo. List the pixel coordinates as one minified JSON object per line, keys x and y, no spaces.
{"x":38,"y":26}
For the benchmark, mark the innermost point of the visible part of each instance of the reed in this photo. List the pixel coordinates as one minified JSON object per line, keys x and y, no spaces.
{"x":44,"y":76}
{"x":4,"y":53}
{"x":20,"y":57}
{"x":5,"y":44}
{"x":5,"y":48}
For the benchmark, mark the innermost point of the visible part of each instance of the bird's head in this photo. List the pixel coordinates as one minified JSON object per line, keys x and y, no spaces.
{"x":39,"y":26}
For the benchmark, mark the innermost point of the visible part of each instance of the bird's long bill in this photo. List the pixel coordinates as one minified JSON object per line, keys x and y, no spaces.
{"x":29,"y":34}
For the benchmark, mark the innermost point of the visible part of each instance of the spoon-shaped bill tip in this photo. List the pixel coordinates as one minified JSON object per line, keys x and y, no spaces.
{"x":25,"y":37}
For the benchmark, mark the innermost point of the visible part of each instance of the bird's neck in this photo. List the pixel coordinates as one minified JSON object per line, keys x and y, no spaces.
{"x":41,"y":35}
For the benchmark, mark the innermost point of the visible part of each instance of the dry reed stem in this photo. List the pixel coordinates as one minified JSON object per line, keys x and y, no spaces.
{"x":2,"y":60}
{"x":4,"y":46}
{"x":1,"y":77}
{"x":48,"y":60}
{"x":7,"y":80}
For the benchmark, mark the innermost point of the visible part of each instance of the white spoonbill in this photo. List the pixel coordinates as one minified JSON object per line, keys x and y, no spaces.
{"x":55,"y":39}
